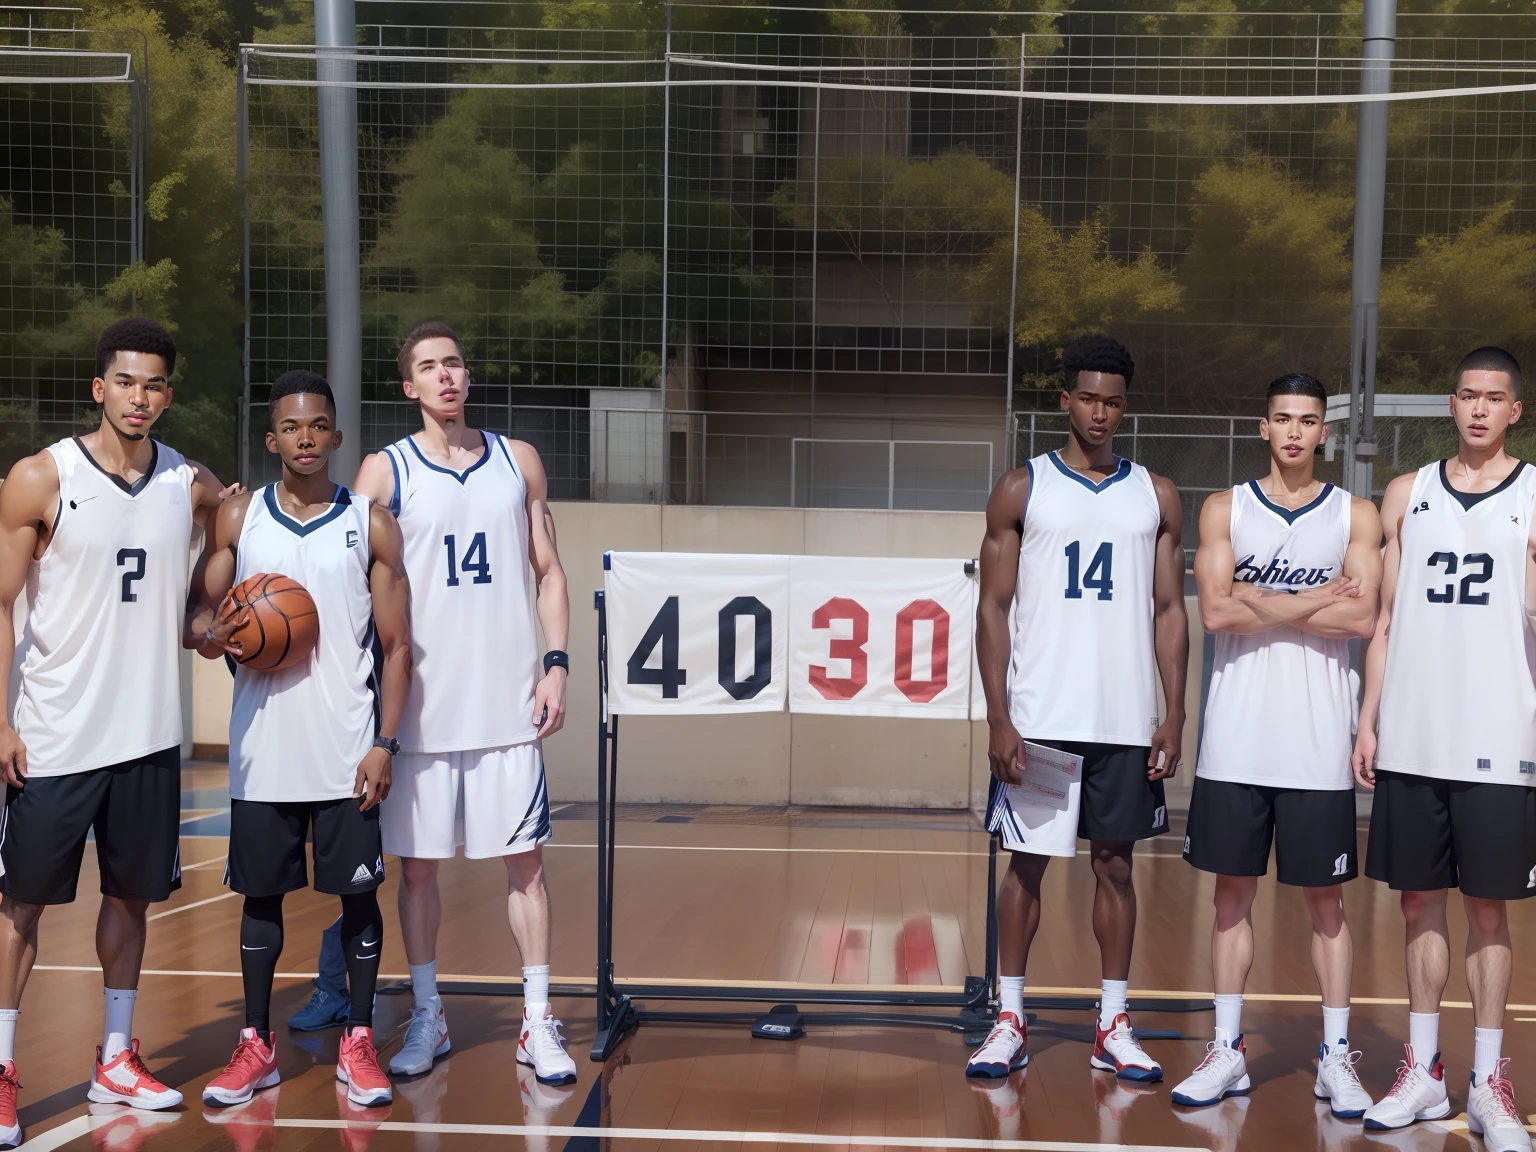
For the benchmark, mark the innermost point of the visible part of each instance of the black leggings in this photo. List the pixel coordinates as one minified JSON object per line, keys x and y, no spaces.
{"x":261,"y":943}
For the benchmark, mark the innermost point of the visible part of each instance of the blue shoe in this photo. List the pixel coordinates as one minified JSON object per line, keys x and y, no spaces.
{"x":324,"y":1010}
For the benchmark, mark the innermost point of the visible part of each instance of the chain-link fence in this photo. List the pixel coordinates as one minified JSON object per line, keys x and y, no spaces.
{"x":73,"y":141}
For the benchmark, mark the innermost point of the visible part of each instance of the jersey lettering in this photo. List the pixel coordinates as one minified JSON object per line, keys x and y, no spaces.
{"x":138,"y":557}
{"x":1099,"y":576}
{"x":1454,"y":593}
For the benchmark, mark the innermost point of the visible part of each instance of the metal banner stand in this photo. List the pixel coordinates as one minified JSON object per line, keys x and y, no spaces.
{"x":973,"y":1009}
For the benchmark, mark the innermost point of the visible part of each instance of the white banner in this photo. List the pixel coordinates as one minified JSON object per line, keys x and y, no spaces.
{"x":696,"y":633}
{"x":880,"y":637}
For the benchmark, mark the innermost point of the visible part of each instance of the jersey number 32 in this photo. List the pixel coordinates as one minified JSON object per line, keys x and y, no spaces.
{"x":1461,"y":592}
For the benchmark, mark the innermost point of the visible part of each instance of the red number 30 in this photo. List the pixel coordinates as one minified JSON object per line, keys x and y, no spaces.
{"x":851,"y":649}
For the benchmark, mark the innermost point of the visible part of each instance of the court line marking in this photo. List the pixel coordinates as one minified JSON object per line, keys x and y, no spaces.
{"x":839,"y":851}
{"x":203,"y":863}
{"x":669,"y":981}
{"x":695,"y":1134}
{"x":194,"y":904}
{"x":63,"y":1134}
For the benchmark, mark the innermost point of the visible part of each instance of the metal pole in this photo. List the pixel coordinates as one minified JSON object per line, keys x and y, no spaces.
{"x":666,"y":181}
{"x":815,"y":254}
{"x":242,"y":175}
{"x":135,"y":245}
{"x":1013,"y":290}
{"x":1376,"y":51}
{"x":890,"y":476}
{"x":335,"y":47}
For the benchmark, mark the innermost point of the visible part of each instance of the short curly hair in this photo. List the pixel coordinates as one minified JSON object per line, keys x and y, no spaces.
{"x":1096,"y":352}
{"x":295,"y":382}
{"x":134,"y":334}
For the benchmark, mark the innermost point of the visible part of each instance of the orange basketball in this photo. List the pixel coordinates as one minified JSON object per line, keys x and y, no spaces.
{"x":281,"y":625}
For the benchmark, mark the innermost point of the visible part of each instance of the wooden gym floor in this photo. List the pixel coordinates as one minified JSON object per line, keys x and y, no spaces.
{"x":742,"y":894}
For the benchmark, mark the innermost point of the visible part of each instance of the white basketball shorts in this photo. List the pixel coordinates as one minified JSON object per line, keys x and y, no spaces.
{"x":493,"y":801}
{"x":1032,"y":821}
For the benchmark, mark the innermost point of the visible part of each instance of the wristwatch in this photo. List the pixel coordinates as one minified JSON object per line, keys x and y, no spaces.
{"x":388,"y":743}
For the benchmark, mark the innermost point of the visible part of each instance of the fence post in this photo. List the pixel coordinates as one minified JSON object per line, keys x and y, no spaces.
{"x":666,"y":182}
{"x":1013,"y":290}
{"x":890,"y":478}
{"x":1231,"y":440}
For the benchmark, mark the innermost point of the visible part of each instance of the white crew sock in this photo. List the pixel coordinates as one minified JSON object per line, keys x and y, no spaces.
{"x":1486,"y":1046}
{"x":424,"y":983}
{"x":119,"y":1021}
{"x":1424,"y":1037}
{"x":536,"y":990}
{"x":1336,"y":1028}
{"x":1012,"y":994}
{"x":1229,"y":1017}
{"x":1111,"y":1001}
{"x":8,"y":1033}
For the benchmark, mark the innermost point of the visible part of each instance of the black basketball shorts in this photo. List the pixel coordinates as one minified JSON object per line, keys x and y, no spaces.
{"x":1428,"y":834}
{"x":1119,"y":804}
{"x":1231,"y":827}
{"x":135,"y":808}
{"x":266,"y":847}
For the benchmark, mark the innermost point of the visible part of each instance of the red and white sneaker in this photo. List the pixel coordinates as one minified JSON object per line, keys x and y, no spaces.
{"x":1005,"y":1049}
{"x":10,"y":1127}
{"x":1116,"y":1049}
{"x":357,"y":1066}
{"x":252,"y":1068}
{"x":541,"y":1048}
{"x":125,"y":1080}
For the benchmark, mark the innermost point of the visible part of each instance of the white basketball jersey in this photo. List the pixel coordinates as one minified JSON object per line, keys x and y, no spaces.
{"x":472,"y":635}
{"x":97,"y":673}
{"x":1082,"y":663}
{"x":299,"y":734}
{"x":1281,"y":710}
{"x":1458,"y":701}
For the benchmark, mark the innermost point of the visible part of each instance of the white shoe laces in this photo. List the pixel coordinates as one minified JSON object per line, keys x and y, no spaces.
{"x":421,"y":1028}
{"x":546,"y":1031}
{"x":1343,"y":1064}
{"x":1213,"y":1054}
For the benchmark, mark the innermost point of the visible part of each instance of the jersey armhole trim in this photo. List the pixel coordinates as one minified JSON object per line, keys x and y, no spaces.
{"x":507,"y":452}
{"x":1029,"y":467}
{"x":394,"y":499}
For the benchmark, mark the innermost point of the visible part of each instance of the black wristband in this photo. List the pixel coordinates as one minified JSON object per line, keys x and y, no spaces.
{"x":555,"y":658}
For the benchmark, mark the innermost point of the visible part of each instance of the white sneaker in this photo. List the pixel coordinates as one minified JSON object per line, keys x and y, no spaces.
{"x":1418,"y":1094}
{"x":542,"y":1049}
{"x":1005,"y":1049}
{"x":1337,"y":1082}
{"x":1491,"y":1113}
{"x":1117,"y":1050}
{"x":1223,"y":1073}
{"x":426,"y":1038}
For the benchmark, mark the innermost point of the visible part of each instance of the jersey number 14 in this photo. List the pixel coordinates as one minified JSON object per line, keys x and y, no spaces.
{"x":472,"y":562}
{"x":1100,"y":575}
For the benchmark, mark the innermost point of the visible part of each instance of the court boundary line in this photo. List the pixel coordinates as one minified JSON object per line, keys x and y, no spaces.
{"x":745,"y":1137}
{"x":812,"y":986}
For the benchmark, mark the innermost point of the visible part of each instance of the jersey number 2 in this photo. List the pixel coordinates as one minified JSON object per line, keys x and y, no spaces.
{"x":1100,"y":574}
{"x":473,"y":560}
{"x":136,"y":557}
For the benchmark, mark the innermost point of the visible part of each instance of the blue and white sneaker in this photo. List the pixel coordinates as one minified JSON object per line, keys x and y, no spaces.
{"x":324,"y":1010}
{"x":1223,"y":1073}
{"x":1005,"y":1050}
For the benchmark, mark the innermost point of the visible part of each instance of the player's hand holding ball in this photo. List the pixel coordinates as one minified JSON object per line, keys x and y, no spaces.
{"x":373,"y":778}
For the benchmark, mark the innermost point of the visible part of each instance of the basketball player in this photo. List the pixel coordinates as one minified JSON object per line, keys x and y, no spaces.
{"x":474,"y":513}
{"x":98,"y":530}
{"x":307,"y":751}
{"x":1448,"y":737}
{"x":1084,"y":546}
{"x":1288,"y":570}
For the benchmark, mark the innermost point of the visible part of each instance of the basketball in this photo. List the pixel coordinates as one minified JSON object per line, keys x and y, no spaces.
{"x":282,"y":625}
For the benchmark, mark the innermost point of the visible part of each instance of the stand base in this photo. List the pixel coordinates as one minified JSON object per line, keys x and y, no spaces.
{"x":621,"y":1021}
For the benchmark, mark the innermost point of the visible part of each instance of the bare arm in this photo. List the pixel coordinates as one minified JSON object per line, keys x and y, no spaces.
{"x":1170,"y":635}
{"x":29,"y":501}
{"x":391,"y":595}
{"x":999,"y":577}
{"x":1394,"y":506}
{"x":1347,"y":616}
{"x":207,"y":492}
{"x":376,"y":480}
{"x":210,"y":615}
{"x":554,"y":602}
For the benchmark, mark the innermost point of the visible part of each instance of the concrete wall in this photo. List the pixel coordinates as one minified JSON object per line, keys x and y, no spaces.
{"x":756,"y":758}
